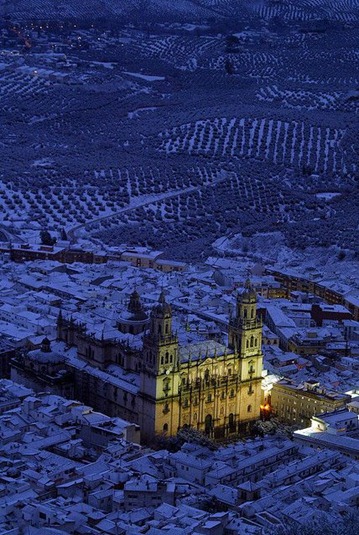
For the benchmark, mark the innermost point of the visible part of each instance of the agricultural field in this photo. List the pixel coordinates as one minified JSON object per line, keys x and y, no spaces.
{"x":149,"y":124}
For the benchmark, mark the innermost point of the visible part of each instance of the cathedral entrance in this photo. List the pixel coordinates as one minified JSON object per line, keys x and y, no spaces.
{"x":208,"y":424}
{"x":231,"y":423}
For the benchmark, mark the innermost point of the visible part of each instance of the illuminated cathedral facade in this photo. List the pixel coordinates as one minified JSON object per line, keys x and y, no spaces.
{"x":208,"y":386}
{"x":156,"y":382}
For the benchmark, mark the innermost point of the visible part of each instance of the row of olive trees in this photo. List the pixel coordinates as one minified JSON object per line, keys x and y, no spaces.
{"x":348,"y":526}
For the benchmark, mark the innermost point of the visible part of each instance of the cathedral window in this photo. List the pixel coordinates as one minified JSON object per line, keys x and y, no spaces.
{"x":229,"y":371}
{"x":247,"y":344}
{"x":166,"y":358}
{"x":165,"y":428}
{"x":249,"y":408}
{"x":166,"y":409}
{"x":209,"y":398}
{"x":162,"y":360}
{"x":231,"y":394}
{"x":252,"y":341}
{"x":166,"y":328}
{"x":223,"y":395}
{"x":171,"y":359}
{"x":252,"y":313}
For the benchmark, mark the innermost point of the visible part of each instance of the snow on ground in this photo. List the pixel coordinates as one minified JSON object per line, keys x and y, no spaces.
{"x":147,"y":77}
{"x":327,"y":196}
{"x":269,"y":248}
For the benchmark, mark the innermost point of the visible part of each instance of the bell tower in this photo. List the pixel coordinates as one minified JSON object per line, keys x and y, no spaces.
{"x":161,"y":320}
{"x":160,"y":372}
{"x":245,"y":339}
{"x":245,"y":323}
{"x":160,"y":345}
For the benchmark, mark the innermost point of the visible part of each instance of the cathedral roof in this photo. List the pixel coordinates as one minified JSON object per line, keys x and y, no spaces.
{"x":202,"y":350}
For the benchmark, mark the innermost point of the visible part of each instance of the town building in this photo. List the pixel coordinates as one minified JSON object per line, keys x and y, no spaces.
{"x":297,"y":404}
{"x":26,"y":252}
{"x":323,"y":289}
{"x":7,"y":352}
{"x":337,"y":430}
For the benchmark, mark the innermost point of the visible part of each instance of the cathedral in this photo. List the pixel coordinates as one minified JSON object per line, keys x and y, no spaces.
{"x":160,"y":384}
{"x":208,"y":386}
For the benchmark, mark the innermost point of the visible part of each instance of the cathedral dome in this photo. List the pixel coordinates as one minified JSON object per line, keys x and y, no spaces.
{"x":134,"y":320}
{"x":134,"y":309}
{"x":45,"y":354}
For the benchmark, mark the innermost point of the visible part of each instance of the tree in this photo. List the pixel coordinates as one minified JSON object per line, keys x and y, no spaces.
{"x":185,"y":434}
{"x":232,"y":44}
{"x":229,"y":67}
{"x":46,"y":238}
